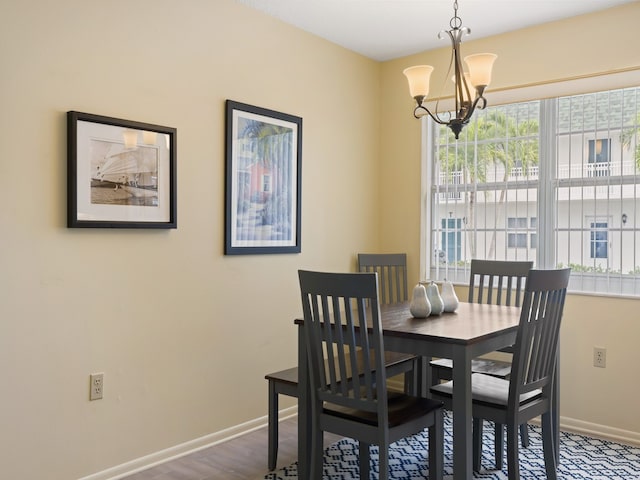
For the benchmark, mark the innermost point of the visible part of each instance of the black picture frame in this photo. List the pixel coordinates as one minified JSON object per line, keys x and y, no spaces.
{"x":121,"y":173}
{"x":263,"y":181}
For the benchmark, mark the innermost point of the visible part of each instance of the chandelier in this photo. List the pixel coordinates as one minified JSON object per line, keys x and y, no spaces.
{"x":475,"y":80}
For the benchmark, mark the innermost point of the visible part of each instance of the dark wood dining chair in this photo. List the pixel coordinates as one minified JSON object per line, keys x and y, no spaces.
{"x":392,"y":273}
{"x":528,"y":392}
{"x":392,"y":288}
{"x":492,"y":282}
{"x":362,"y":408}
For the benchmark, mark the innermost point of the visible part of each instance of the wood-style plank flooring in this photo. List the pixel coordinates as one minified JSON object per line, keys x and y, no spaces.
{"x":244,"y":457}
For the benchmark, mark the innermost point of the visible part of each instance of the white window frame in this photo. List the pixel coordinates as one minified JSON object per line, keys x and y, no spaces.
{"x":545,"y":233}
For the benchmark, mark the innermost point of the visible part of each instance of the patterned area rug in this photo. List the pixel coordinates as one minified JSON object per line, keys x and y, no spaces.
{"x":580,"y":458}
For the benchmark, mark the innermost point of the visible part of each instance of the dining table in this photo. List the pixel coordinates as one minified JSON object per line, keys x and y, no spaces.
{"x":472,"y":330}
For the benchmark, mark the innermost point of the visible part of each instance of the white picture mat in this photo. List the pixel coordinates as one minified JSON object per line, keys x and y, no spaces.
{"x":292,"y":164}
{"x":90,"y":131}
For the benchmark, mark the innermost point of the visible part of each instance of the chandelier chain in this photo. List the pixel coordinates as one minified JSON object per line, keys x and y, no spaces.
{"x":456,"y":21}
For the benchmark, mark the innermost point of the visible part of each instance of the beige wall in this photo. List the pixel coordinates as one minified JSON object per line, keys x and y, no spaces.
{"x":172,"y":322}
{"x":582,"y":46}
{"x":183,"y":334}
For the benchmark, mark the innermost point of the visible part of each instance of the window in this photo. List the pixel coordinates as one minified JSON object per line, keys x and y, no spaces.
{"x":516,"y":232}
{"x":517,"y":240}
{"x":599,"y":240}
{"x":533,"y":236}
{"x":556,"y":181}
{"x":494,"y":204}
{"x":599,"y":157}
{"x":451,"y":240}
{"x":517,"y":222}
{"x":451,"y":182}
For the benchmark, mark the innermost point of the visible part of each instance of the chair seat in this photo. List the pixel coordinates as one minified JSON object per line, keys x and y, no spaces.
{"x":495,"y":368}
{"x":487,"y":389}
{"x":285,"y":382}
{"x":401,"y":408}
{"x":395,"y":363}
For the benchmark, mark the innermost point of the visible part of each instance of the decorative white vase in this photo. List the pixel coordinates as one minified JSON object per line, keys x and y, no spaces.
{"x":449,"y":297}
{"x":433,"y":294}
{"x":420,"y":306}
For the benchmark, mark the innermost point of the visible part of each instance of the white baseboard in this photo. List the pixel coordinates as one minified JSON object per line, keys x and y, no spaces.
{"x":600,"y":431}
{"x":162,"y":456}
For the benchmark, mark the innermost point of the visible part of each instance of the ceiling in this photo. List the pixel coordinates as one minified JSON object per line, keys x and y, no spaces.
{"x":388,"y":29}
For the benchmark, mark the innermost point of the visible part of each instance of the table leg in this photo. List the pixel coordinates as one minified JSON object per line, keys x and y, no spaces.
{"x":304,"y":408}
{"x":423,"y":376}
{"x":462,"y":416}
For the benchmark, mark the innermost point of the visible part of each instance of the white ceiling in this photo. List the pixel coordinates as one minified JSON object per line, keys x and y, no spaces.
{"x":387,"y":29}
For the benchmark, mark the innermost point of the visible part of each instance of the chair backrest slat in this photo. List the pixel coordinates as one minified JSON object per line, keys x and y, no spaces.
{"x":392,"y":274}
{"x":498,"y":282}
{"x":536,"y":347}
{"x":349,"y":300}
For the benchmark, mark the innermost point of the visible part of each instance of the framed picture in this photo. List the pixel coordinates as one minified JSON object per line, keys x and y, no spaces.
{"x":263,"y":180}
{"x":121,"y":173}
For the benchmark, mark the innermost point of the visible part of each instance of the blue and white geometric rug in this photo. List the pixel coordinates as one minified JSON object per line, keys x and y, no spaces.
{"x":580,"y":458}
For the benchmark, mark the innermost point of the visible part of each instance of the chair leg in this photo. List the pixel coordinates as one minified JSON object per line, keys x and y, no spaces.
{"x":548,"y":446}
{"x":365,"y":461}
{"x":317,"y":453}
{"x":273,"y":426}
{"x":478,"y":424}
{"x":499,"y":445}
{"x":436,"y":447}
{"x":383,"y":461}
{"x":524,"y":435}
{"x":513,"y":460}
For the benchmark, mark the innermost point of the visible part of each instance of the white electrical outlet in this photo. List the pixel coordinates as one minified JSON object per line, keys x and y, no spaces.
{"x":96,"y":386}
{"x":599,"y":357}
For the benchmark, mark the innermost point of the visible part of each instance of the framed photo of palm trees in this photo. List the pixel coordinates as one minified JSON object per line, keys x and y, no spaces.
{"x":263,"y":180}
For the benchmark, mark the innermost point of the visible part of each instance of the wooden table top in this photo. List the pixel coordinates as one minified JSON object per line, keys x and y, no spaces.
{"x":470,"y":323}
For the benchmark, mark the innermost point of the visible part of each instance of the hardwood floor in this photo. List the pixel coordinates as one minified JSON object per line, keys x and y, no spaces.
{"x":244,"y":457}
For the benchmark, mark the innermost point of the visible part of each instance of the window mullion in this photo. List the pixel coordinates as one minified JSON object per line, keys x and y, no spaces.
{"x":547,"y":185}
{"x":427,"y":226}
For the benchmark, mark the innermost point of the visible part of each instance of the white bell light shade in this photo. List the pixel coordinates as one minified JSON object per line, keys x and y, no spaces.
{"x":418,"y":78}
{"x":480,"y":66}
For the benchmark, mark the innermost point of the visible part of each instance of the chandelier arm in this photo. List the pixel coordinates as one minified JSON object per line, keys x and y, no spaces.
{"x":462,"y":92}
{"x":471,"y":109}
{"x":435,"y":117}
